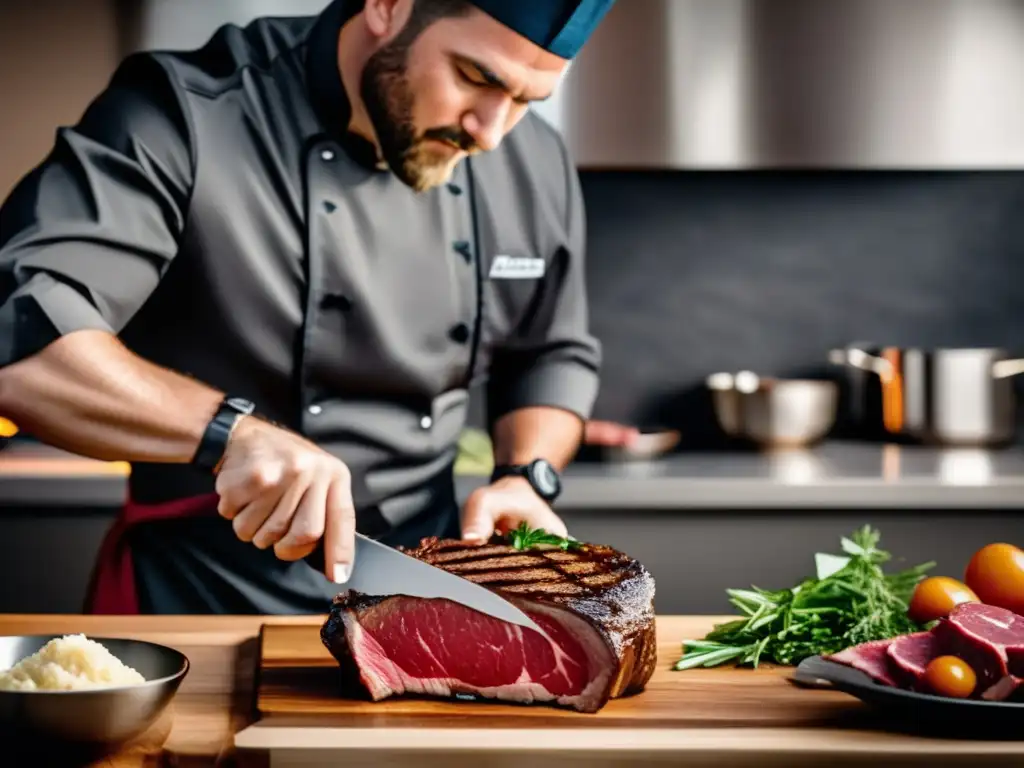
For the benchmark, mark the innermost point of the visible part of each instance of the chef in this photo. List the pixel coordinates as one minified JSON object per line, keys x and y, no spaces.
{"x":267,"y":274}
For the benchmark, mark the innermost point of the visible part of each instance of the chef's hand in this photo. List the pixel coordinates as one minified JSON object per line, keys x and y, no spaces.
{"x":281,"y":490}
{"x":502,"y":506}
{"x":609,"y":434}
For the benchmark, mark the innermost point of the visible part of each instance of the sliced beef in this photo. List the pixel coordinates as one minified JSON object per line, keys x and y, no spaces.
{"x":1009,"y":688}
{"x":1015,"y":658}
{"x":909,"y":656}
{"x":989,"y":639}
{"x":870,"y":658}
{"x":986,"y":637}
{"x":596,"y":605}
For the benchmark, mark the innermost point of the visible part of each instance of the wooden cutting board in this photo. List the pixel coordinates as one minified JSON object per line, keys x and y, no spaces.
{"x":707,"y":717}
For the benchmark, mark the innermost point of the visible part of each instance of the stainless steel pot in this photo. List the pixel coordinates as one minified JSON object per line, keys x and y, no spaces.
{"x":961,"y":397}
{"x":773,"y":412}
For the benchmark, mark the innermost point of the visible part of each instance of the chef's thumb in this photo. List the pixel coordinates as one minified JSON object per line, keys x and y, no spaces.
{"x":477,"y":520}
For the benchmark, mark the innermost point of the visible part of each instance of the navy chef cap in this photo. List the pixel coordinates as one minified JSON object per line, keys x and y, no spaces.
{"x":559,"y":26}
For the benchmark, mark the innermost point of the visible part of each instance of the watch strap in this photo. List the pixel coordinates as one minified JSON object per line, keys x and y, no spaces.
{"x":548,"y":489}
{"x":218,"y":431}
{"x":510,"y":470}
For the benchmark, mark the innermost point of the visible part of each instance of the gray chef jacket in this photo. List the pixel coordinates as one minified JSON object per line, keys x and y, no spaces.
{"x":212,"y":209}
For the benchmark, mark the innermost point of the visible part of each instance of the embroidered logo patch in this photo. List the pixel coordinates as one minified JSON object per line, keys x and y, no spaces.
{"x":516,"y":268}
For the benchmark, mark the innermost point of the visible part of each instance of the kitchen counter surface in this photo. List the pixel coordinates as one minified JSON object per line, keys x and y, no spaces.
{"x":215,"y":703}
{"x":831,"y":475}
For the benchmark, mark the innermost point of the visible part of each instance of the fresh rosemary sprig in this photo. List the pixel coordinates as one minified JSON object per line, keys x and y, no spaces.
{"x":850,"y":601}
{"x":525,"y":537}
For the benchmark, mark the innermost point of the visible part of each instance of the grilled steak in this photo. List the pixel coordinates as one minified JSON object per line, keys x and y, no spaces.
{"x":596,"y":604}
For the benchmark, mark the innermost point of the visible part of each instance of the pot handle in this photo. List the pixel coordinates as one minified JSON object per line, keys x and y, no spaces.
{"x":1004,"y":369}
{"x":858,"y":358}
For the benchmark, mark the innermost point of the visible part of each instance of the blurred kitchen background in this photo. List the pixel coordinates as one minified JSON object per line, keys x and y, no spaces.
{"x":784,"y":189}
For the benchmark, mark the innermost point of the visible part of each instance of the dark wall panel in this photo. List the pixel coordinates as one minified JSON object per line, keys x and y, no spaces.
{"x":695,"y":272}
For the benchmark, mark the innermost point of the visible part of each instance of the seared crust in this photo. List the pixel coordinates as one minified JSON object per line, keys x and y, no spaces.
{"x":333,"y":636}
{"x":613,"y":592}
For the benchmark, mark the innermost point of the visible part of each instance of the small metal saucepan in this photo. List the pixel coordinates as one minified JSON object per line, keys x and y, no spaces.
{"x":773,"y":412}
{"x":961,"y":397}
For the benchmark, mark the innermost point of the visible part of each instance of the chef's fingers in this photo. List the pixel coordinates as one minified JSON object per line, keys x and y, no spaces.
{"x":307,"y":524}
{"x":233,"y":495}
{"x":477,"y":520}
{"x":537,"y":517}
{"x":242,"y":484}
{"x":339,"y":529}
{"x":263,"y":530}
{"x":250,"y":517}
{"x":252,"y":512}
{"x":552,"y":523}
{"x":609,"y":433}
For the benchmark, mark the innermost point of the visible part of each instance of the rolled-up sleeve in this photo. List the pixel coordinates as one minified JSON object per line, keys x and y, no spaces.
{"x":553,"y":360}
{"x":87,"y":235}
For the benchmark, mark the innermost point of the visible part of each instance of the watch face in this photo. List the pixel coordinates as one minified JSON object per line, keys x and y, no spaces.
{"x":241,"y":405}
{"x":545,"y":478}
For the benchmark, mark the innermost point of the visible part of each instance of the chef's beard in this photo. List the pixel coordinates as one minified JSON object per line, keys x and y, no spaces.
{"x":388,"y":99}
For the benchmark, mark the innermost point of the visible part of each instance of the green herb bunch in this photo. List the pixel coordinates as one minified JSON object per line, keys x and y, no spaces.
{"x":850,"y":601}
{"x":524,"y":537}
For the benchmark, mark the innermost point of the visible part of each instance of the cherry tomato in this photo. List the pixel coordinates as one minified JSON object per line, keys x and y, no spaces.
{"x":936,"y":596}
{"x":996,"y":574}
{"x":950,"y":676}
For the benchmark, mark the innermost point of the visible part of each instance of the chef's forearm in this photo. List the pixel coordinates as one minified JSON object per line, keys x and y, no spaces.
{"x":532,"y":433}
{"x":87,"y":393}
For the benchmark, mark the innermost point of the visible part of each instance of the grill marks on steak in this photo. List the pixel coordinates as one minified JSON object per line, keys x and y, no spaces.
{"x":530,"y":573}
{"x":594,"y":603}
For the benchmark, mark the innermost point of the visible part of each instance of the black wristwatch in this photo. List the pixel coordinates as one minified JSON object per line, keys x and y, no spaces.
{"x":215,"y":439}
{"x":543,"y":477}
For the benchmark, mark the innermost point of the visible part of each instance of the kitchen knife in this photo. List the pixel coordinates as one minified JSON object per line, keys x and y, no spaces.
{"x":382,"y":570}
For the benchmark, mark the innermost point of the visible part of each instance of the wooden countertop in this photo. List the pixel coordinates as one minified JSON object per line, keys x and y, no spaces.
{"x":216,"y":702}
{"x":215,"y":699}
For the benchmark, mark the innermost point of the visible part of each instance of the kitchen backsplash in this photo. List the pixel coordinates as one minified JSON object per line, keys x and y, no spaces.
{"x":696,"y":272}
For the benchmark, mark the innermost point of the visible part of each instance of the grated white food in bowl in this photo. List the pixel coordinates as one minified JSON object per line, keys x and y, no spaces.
{"x":69,"y":663}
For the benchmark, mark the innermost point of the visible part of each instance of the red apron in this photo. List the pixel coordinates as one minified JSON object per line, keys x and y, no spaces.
{"x":112,"y":587}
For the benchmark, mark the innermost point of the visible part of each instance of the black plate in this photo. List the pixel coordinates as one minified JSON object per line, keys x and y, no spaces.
{"x":909,"y":709}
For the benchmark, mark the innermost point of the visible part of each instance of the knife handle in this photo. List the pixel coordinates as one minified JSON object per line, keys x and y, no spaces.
{"x":316,"y":559}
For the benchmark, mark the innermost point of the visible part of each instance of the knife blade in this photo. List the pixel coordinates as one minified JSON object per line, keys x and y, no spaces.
{"x":382,"y":570}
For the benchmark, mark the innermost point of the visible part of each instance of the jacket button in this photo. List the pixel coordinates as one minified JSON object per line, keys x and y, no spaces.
{"x":455,"y":189}
{"x":459,"y":333}
{"x":464,"y":249}
{"x":337,"y":301}
{"x":426,"y":422}
{"x":327,"y":155}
